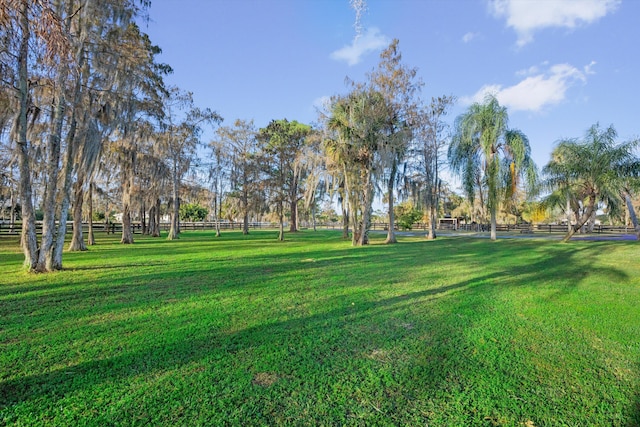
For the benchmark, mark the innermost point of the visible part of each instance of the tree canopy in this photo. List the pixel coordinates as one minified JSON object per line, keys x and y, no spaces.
{"x":592,"y":172}
{"x":86,"y":121}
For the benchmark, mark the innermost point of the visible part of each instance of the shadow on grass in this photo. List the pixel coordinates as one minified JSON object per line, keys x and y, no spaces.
{"x":186,"y":350}
{"x":357,"y":357}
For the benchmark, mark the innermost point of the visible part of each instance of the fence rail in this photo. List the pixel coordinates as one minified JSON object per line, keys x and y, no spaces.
{"x":542,"y":228}
{"x":136,"y":227}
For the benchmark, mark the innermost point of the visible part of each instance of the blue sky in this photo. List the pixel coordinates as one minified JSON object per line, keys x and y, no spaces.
{"x":558,"y":65}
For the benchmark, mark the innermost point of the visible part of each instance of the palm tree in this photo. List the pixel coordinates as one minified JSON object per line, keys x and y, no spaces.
{"x":589,"y":172}
{"x":356,"y":122}
{"x":486,"y":153}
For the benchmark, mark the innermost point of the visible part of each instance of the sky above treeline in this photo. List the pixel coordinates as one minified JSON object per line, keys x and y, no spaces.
{"x":559,"y":66}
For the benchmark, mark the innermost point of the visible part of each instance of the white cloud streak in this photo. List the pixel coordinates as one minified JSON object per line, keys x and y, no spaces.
{"x":537,"y":90}
{"x":528,"y":16}
{"x":369,"y":41}
{"x":360,"y":7}
{"x":468,"y":37}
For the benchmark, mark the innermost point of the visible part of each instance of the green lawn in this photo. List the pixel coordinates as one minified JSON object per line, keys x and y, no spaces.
{"x":246,"y":330}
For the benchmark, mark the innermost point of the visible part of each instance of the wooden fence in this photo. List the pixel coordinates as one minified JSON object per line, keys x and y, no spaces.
{"x":136,"y":227}
{"x":542,"y":228}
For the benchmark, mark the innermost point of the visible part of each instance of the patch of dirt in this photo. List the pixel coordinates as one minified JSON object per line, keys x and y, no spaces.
{"x":265,"y":379}
{"x":380,"y":355}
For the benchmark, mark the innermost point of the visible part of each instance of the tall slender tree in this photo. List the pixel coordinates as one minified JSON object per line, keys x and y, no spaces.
{"x":181,"y":137}
{"x":485,"y":152}
{"x":400,"y":88}
{"x":242,"y":148}
{"x":139,"y":107}
{"x":426,"y":153}
{"x":315,"y":163}
{"x":218,"y":173}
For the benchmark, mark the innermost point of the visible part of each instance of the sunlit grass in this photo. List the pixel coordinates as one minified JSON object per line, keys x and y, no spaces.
{"x":245,"y":330}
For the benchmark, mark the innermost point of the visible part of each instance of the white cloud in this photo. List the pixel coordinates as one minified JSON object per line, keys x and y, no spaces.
{"x":588,"y":69}
{"x":534,"y":69}
{"x":538,"y":89}
{"x":527,"y":16}
{"x":469,"y":36}
{"x":369,"y":41}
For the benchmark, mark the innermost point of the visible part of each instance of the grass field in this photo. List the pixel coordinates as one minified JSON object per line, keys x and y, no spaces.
{"x":246,"y":330}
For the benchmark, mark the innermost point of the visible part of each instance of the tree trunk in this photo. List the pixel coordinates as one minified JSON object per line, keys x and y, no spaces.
{"x":352,"y":211}
{"x":90,"y":237}
{"x":434,"y":202}
{"x":175,"y":212}
{"x":245,"y":223}
{"x":493,"y":224}
{"x":152,"y":220}
{"x":245,"y":214}
{"x":483,"y":206}
{"x":281,"y":218}
{"x":363,"y":238}
{"x":29,"y":240}
{"x":345,"y":213}
{"x":592,"y":222}
{"x":77,"y":239}
{"x":632,"y":213}
{"x":581,"y":222}
{"x":55,"y":260}
{"x":157,"y":231}
{"x":391,"y":235}
{"x":109,"y":226}
{"x":293,"y":205}
{"x":127,"y":235}
{"x":313,"y":215}
{"x":12,"y":215}
{"x":345,"y":222}
{"x":217,"y":212}
{"x":52,"y":172}
{"x":56,"y":255}
{"x":353,"y":219}
{"x":143,"y":219}
{"x":293,"y":226}
{"x":355,"y":224}
{"x":576,"y":215}
{"x":432,"y":223}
